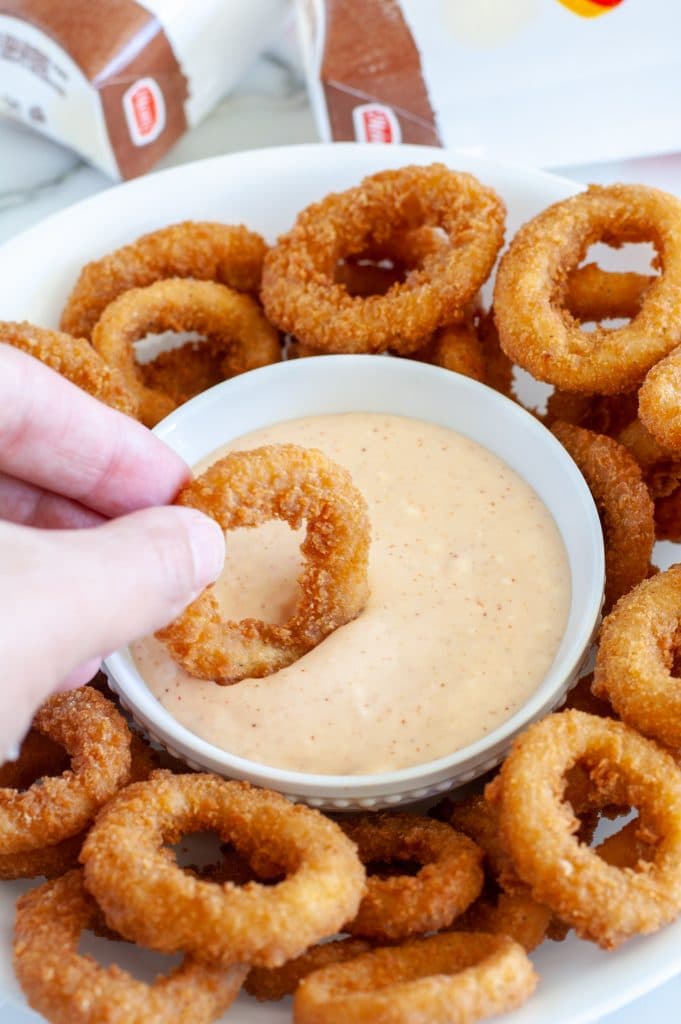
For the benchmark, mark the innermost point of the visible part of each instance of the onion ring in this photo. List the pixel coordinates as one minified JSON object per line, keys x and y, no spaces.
{"x":445,"y":979}
{"x":594,"y":294}
{"x":543,"y":337}
{"x":273,"y":983}
{"x":184,"y":372}
{"x":602,"y":902}
{"x":98,"y":742}
{"x":624,"y":504}
{"x":69,"y":988}
{"x":226,"y":317}
{"x":206,"y":251}
{"x":299,"y":292}
{"x":75,"y":360}
{"x":516,"y":915}
{"x":146,"y":897}
{"x":659,"y":401}
{"x":635,"y":660}
{"x":449,"y":879}
{"x":294,"y":484}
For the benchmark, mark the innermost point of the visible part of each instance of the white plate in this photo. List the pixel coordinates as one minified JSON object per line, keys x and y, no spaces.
{"x":264,"y":190}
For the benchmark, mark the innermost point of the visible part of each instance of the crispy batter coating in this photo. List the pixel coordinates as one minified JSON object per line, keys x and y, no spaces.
{"x":397,"y":907}
{"x":227,"y":319}
{"x":659,"y":401}
{"x":603,"y":903}
{"x":146,"y":897}
{"x":456,"y":348}
{"x":206,"y":251}
{"x":594,"y":294}
{"x":635,"y":663}
{"x":75,"y":360}
{"x":269,"y":984}
{"x":70,"y":988}
{"x":186,"y":371}
{"x":624,"y":504}
{"x":535,"y":328}
{"x":516,"y":915}
{"x":454,"y":978}
{"x":97,"y":741}
{"x":294,"y":484}
{"x":299,"y":292}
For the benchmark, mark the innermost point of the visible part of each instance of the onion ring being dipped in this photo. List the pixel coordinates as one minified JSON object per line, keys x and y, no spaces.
{"x":602,"y":902}
{"x":269,"y":984}
{"x":97,"y":740}
{"x":225,"y":317}
{"x":624,"y":504}
{"x":299,"y":292}
{"x":535,"y":328}
{"x":449,"y":878}
{"x":456,"y":978}
{"x":635,"y":660}
{"x":203,"y":250}
{"x":69,"y":988}
{"x":294,"y":484}
{"x":74,"y":359}
{"x":145,"y":896}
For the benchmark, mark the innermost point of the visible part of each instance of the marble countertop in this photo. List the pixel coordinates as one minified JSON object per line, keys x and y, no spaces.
{"x":269,"y":108}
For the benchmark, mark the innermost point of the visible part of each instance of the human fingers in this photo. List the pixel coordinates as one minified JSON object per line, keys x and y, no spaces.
{"x":71,"y":596}
{"x":57,"y":437}
{"x":33,"y":506}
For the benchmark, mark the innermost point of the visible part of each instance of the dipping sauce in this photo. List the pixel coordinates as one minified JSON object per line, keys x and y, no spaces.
{"x":470,"y":592}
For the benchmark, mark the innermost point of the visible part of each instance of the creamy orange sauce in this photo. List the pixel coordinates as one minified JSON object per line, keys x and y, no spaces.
{"x":469,"y":600}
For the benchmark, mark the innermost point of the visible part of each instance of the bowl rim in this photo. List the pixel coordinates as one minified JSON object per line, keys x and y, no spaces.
{"x":159,"y":720}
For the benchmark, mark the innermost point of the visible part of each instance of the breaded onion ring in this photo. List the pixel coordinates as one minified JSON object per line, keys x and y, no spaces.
{"x":294,"y":484}
{"x":146,"y":897}
{"x":594,"y":294}
{"x":623,"y":501}
{"x":602,"y":902}
{"x":74,"y":359}
{"x":225,"y":317}
{"x":516,"y":915}
{"x":299,"y":292}
{"x":97,"y":740}
{"x":446,"y":979}
{"x":69,"y":988}
{"x":635,"y":661}
{"x":456,"y":348}
{"x":535,"y":328}
{"x":633,"y":844}
{"x":185,"y":371}
{"x":659,"y":401}
{"x":269,"y":984}
{"x":668,"y":517}
{"x":206,"y":251}
{"x":449,"y":879}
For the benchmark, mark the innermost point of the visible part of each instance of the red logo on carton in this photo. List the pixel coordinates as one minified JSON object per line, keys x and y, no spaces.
{"x":374,"y":122}
{"x":145,"y":111}
{"x":590,"y":8}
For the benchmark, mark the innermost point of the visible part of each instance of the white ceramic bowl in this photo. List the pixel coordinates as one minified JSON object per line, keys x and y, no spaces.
{"x":334,"y":384}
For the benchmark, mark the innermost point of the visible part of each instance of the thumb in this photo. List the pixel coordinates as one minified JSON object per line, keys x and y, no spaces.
{"x":79,"y":594}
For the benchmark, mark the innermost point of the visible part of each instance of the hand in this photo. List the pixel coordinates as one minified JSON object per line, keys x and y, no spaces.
{"x":89,"y":561}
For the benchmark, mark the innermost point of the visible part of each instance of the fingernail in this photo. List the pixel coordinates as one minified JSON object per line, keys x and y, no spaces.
{"x":208,"y":548}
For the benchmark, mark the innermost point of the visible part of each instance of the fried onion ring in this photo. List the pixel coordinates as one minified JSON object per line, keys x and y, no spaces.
{"x":449,"y":879}
{"x":206,"y":251}
{"x":146,"y":897}
{"x":455,"y":978}
{"x":516,"y":915}
{"x":184,"y":372}
{"x":299,"y":292}
{"x":659,"y":401}
{"x":594,"y":294}
{"x":69,"y":988}
{"x":97,"y":740}
{"x":602,"y":902}
{"x":635,"y":661}
{"x":294,"y":484}
{"x":271,"y":984}
{"x":74,"y":359}
{"x":225,"y":317}
{"x":535,"y":328}
{"x":624,"y":504}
